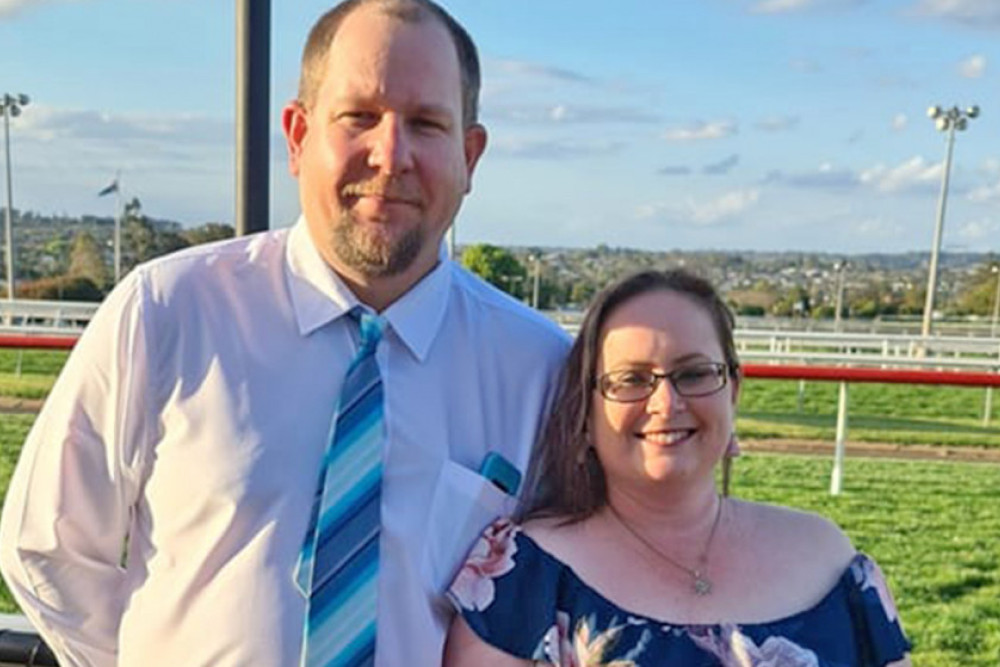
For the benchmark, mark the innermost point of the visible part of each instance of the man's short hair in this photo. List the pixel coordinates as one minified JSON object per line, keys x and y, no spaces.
{"x":410,"y":11}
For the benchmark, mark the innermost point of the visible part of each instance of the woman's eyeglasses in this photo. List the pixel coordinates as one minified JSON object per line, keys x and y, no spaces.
{"x":631,"y":385}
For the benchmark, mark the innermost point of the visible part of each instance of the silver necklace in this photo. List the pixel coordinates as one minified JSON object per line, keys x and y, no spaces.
{"x":701,"y":584}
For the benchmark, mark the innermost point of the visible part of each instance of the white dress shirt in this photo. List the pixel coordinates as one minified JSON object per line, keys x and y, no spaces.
{"x":191,"y":420}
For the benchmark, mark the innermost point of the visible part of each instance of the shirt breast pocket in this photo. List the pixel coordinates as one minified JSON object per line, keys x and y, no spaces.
{"x":464,"y":503}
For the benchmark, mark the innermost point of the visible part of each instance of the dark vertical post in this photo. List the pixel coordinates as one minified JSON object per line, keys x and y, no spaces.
{"x":253,"y":110}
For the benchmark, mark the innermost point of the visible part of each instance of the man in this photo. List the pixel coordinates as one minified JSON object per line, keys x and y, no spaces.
{"x":160,"y":509}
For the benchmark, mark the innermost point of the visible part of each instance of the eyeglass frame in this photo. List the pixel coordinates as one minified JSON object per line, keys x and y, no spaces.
{"x":722,"y":369}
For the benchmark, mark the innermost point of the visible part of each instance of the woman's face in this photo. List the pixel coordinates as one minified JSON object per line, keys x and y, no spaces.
{"x":665,"y":437}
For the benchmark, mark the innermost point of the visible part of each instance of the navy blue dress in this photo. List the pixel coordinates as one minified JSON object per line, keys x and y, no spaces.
{"x":525,"y":602}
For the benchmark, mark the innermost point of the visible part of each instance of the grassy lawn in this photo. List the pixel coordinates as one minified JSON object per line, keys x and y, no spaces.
{"x":29,"y":373}
{"x":934,"y":527}
{"x":893,"y":413}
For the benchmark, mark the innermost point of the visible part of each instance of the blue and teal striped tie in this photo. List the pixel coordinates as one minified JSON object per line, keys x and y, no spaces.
{"x":338,"y":566}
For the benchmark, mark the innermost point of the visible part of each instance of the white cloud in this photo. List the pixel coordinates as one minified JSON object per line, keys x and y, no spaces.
{"x":568,"y":113}
{"x":973,"y":67}
{"x":986,"y":193}
{"x":724,"y":207}
{"x":805,"y":66}
{"x":976,"y":231}
{"x":788,"y":6}
{"x":46,"y":124}
{"x":721,"y":167}
{"x":979,"y":13}
{"x":715,"y":211}
{"x":674,"y":170}
{"x":879,"y":228}
{"x":718,"y":129}
{"x":899,"y":122}
{"x":911,"y":174}
{"x":179,"y":165}
{"x":554,"y":149}
{"x":777,"y":123}
{"x":529,"y":70}
{"x":825,"y":176}
{"x":12,"y":7}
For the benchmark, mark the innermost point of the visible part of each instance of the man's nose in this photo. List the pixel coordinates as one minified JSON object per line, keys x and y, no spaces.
{"x":391,"y":150}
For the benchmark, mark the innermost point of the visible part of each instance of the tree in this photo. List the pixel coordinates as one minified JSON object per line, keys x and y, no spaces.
{"x":913,"y":301}
{"x":87,"y":261}
{"x":69,"y":288}
{"x":138,"y":236}
{"x":210,"y":231}
{"x":141,"y":241}
{"x":980,"y":290}
{"x":795,"y":303}
{"x":496,"y":266}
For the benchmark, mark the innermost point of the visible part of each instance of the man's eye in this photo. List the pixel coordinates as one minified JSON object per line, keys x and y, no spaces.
{"x":358,"y":117}
{"x":429,"y":125}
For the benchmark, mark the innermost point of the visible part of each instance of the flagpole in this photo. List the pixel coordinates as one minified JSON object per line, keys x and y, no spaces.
{"x":118,"y":228}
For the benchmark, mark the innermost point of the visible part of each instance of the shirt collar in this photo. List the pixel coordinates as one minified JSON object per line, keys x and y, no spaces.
{"x":319,"y":295}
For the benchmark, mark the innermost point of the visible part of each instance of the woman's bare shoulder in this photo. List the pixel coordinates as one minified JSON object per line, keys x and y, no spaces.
{"x":797,"y":535}
{"x":556,"y":535}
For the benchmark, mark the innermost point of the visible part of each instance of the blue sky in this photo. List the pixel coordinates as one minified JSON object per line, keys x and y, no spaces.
{"x":689,"y":124}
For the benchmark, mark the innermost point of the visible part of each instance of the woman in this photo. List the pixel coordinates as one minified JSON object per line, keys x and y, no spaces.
{"x":626,"y":553}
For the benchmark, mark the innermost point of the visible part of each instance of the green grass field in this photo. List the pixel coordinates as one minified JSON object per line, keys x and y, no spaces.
{"x":893,"y":413}
{"x":933,"y":526}
{"x":29,"y":373}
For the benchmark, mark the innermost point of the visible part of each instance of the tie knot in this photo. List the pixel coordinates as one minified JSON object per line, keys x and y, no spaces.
{"x":371,"y":327}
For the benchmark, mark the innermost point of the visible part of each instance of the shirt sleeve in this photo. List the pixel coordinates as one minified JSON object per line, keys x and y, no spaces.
{"x":506,"y":591}
{"x":879,"y":632}
{"x":68,"y":507}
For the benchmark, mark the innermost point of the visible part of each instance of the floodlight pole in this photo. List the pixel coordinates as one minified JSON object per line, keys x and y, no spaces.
{"x":925,"y":327}
{"x":11,"y":106}
{"x":9,"y":210}
{"x":947,"y":121}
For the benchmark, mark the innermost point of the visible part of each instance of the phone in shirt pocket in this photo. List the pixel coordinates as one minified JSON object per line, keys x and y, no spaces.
{"x":464,"y":503}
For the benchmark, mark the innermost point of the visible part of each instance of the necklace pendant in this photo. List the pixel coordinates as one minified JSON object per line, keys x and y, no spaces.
{"x":701,"y":586}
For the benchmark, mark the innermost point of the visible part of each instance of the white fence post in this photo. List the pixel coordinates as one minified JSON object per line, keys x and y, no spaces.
{"x":987,"y":406}
{"x":836,"y":478}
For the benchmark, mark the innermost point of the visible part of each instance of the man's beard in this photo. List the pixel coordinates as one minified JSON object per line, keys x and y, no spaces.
{"x":372,"y":255}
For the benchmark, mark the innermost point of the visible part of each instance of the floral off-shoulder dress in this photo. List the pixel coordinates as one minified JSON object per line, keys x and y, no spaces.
{"x":525,"y":602}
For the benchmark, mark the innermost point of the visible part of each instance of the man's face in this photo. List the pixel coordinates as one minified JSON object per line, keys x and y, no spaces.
{"x":382,"y":156}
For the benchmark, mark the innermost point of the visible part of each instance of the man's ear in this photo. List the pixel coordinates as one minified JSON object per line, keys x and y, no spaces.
{"x":475,"y":146}
{"x":295,"y":124}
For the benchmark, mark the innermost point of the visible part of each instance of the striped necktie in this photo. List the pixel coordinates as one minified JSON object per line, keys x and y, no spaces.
{"x":338,"y":566}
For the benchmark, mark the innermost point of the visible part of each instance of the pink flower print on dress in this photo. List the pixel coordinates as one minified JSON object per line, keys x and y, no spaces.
{"x":868,"y":575}
{"x":734,"y":649}
{"x":490,"y":558}
{"x":585,"y":647}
